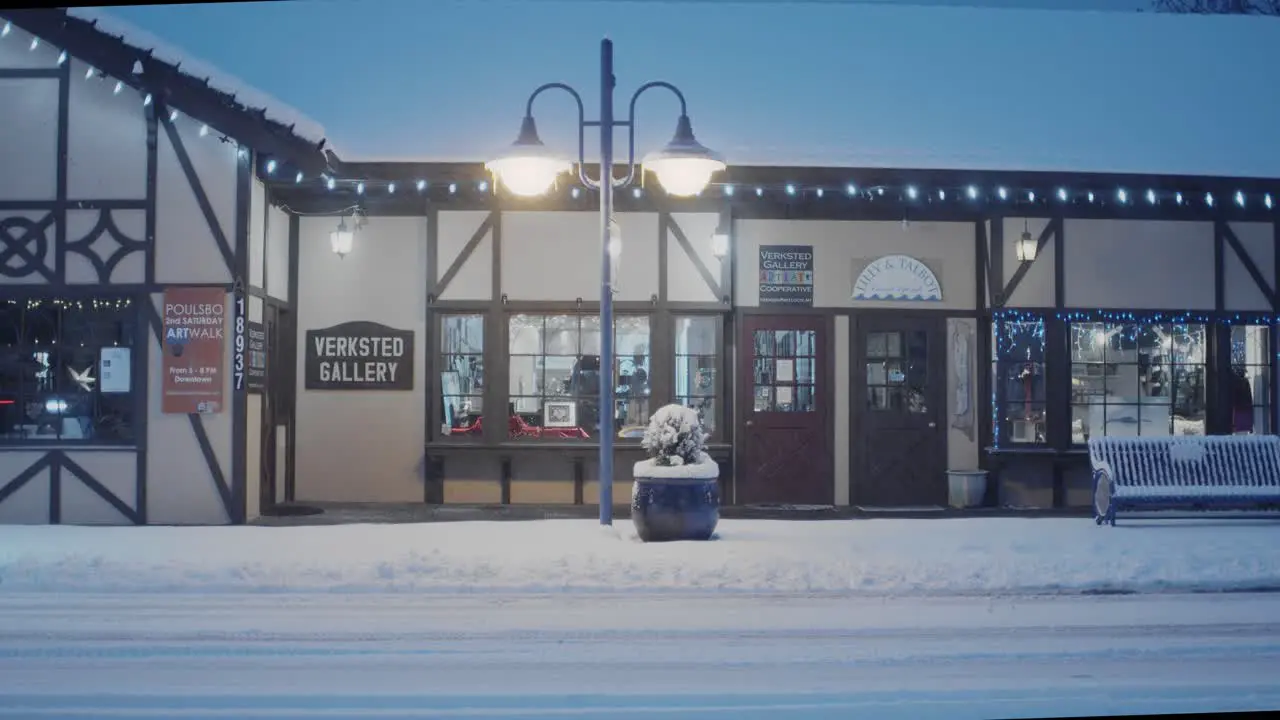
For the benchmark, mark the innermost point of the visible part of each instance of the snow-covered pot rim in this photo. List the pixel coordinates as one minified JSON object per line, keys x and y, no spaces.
{"x":704,"y":469}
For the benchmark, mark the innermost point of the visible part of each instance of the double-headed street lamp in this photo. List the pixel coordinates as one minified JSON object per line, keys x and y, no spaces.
{"x":529,"y":168}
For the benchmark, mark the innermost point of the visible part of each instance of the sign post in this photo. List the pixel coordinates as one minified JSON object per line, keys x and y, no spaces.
{"x":239,"y":340}
{"x":255,"y":380}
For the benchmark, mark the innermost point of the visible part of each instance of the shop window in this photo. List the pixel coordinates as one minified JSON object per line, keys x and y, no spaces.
{"x":697,"y":366}
{"x":1136,"y":379}
{"x":1250,"y":388}
{"x":555,"y":376}
{"x":784,"y":369}
{"x":66,"y":370}
{"x":1018,"y":374}
{"x":462,"y":379}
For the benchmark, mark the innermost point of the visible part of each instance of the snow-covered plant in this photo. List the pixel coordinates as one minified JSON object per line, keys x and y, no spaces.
{"x":675,"y":436}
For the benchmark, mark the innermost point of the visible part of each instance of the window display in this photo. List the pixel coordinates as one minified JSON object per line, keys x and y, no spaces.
{"x":1251,"y":379}
{"x":555,"y":361}
{"x":1018,"y":373}
{"x":697,"y":366}
{"x":462,"y":380}
{"x":1133,"y":379}
{"x":66,"y":370}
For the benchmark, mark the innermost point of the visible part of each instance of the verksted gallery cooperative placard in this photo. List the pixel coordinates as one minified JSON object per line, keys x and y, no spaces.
{"x":786,"y":275}
{"x":193,"y":325}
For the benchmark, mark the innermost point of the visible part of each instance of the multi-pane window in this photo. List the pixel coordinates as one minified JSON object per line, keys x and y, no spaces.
{"x":697,"y":366}
{"x":1250,"y":382}
{"x":1018,"y":373}
{"x":66,"y":370}
{"x":554,"y":383}
{"x":462,"y":380}
{"x":1135,"y":379}
{"x":785,"y":366}
{"x":897,"y":370}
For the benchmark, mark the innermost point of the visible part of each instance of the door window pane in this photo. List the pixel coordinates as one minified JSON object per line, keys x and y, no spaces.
{"x":897,"y":371}
{"x":784,"y":370}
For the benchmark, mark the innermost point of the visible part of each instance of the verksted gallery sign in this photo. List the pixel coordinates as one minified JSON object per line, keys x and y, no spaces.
{"x":359,"y":355}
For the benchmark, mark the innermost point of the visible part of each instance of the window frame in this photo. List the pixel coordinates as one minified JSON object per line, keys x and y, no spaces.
{"x":501,"y":384}
{"x":999,"y":397}
{"x":1211,"y":373}
{"x":435,"y":403}
{"x":140,"y":348}
{"x":725,"y":371}
{"x":1268,"y":332}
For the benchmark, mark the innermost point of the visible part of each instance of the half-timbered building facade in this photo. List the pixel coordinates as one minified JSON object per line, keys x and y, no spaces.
{"x":409,"y":333}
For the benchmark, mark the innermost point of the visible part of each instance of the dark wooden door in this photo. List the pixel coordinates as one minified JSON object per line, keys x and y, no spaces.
{"x":785,"y":401}
{"x":899,"y":371}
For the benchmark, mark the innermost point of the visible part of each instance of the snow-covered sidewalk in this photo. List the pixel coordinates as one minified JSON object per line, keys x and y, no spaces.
{"x":862,"y":557}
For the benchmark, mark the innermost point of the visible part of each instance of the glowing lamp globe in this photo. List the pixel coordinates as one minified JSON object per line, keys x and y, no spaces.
{"x":528,"y":168}
{"x":685,"y":166}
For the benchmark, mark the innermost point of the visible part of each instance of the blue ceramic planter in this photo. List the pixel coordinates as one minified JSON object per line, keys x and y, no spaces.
{"x":666,"y":509}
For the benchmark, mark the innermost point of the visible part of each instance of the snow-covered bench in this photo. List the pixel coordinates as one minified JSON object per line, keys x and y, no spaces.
{"x":1215,"y":472}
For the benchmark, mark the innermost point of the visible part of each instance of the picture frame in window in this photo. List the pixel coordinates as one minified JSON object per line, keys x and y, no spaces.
{"x":559,"y":414}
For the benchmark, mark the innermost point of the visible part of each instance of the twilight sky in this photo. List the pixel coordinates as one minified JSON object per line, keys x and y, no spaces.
{"x":925,"y":83}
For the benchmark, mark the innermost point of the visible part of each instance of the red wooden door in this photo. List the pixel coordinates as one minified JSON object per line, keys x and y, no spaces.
{"x":899,"y":372}
{"x":785,"y":401}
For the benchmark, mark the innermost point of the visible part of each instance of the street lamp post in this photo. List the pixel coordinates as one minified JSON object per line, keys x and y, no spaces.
{"x":529,"y":168}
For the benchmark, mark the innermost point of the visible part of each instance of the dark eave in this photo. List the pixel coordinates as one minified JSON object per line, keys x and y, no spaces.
{"x":170,"y":86}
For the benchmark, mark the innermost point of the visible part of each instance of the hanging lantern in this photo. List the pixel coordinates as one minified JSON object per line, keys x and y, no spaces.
{"x":720,"y":240}
{"x":1025,"y":247}
{"x":343,"y":239}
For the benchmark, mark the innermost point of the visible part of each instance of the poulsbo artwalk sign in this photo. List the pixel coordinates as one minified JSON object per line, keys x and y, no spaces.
{"x":359,"y":356}
{"x":897,"y":277}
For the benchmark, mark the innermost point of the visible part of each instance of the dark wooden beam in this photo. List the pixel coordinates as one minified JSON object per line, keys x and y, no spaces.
{"x":463,"y":255}
{"x":1233,"y":241}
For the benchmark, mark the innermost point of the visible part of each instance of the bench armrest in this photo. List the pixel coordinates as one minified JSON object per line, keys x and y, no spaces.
{"x":1103,"y":467}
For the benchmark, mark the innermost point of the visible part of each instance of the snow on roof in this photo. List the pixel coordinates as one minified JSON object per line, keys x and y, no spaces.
{"x":244,"y":94}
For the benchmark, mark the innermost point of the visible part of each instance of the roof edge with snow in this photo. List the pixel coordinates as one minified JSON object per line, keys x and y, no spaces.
{"x":179,"y":82}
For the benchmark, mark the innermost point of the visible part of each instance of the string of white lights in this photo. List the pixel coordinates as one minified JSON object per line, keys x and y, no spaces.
{"x":92,"y":73}
{"x":910,"y":193}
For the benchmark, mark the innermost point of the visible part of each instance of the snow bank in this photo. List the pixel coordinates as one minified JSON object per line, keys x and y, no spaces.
{"x":246,"y":95}
{"x":859,"y":557}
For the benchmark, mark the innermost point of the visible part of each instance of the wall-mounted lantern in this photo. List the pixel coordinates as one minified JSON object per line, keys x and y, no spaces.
{"x":343,"y":239}
{"x":720,"y":239}
{"x":1025,"y":247}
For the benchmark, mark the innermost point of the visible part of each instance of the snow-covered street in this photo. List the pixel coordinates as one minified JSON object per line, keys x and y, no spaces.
{"x":739,"y":656}
{"x":888,"y":618}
